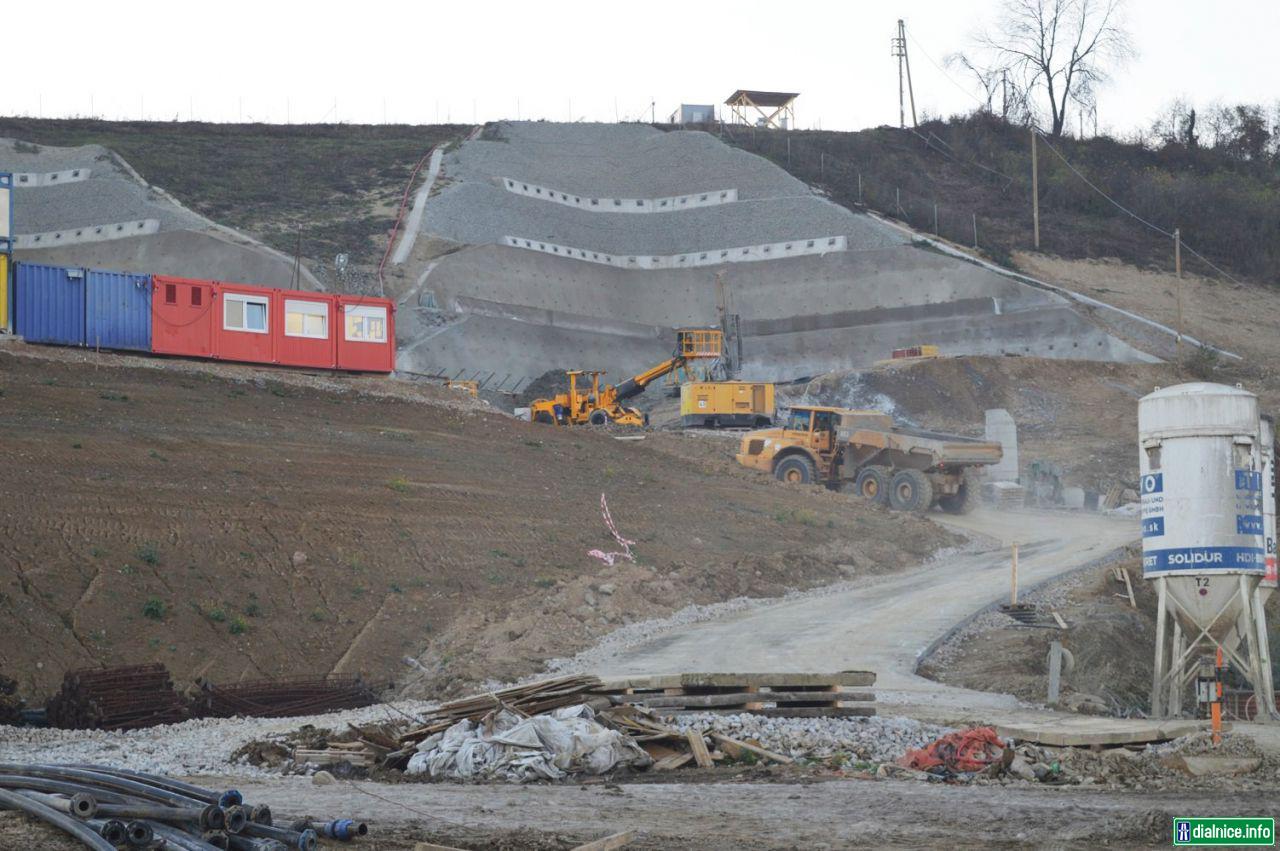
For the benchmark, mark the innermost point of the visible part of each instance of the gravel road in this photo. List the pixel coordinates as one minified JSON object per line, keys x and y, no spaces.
{"x":886,"y":623}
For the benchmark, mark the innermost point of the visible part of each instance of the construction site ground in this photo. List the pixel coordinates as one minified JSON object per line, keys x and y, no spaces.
{"x":216,"y":518}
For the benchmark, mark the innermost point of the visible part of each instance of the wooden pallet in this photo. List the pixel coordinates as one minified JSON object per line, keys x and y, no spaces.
{"x":798,"y":695}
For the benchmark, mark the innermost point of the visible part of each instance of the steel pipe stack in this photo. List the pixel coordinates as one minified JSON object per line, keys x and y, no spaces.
{"x":107,"y":808}
{"x":125,"y":698}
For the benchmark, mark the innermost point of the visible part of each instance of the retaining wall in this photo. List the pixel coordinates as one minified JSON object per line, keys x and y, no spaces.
{"x":670,"y":204}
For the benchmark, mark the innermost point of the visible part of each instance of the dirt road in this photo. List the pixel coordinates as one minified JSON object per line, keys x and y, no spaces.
{"x":762,"y":815}
{"x":886,"y":623}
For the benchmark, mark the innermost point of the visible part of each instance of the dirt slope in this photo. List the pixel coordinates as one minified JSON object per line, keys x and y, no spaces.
{"x":229,"y":524}
{"x":1080,"y":414}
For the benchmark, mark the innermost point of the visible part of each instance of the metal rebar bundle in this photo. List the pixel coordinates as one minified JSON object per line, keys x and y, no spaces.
{"x":125,"y":698}
{"x":282,"y":698}
{"x":108,"y":808}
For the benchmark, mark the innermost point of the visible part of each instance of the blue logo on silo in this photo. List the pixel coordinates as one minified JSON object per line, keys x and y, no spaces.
{"x":1248,"y":524}
{"x":1153,"y":483}
{"x":1153,"y":527}
{"x":1248,"y":480}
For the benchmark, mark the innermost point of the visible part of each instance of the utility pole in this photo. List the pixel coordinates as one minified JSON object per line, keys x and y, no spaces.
{"x":1177,"y":265}
{"x":1035,"y":190}
{"x":1004,"y":94}
{"x":898,"y":49}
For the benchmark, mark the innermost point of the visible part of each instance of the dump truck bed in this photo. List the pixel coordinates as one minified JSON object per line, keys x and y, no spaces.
{"x":945,"y":449}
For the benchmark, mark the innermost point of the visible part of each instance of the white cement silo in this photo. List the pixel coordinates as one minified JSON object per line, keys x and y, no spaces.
{"x":1203,"y":535}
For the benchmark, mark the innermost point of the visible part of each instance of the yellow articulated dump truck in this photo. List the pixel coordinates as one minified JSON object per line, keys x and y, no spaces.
{"x":864,"y":453}
{"x":726,"y":404}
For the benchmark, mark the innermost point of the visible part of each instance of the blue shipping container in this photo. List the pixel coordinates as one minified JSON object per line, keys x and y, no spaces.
{"x":49,"y":304}
{"x":117,"y":310}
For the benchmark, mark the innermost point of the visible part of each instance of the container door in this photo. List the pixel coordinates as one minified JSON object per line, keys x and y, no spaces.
{"x":182,"y":314}
{"x":49,"y":303}
{"x":117,"y":310}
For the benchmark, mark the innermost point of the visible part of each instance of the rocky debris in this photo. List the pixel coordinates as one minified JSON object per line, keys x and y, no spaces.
{"x":10,"y":704}
{"x":874,"y":740}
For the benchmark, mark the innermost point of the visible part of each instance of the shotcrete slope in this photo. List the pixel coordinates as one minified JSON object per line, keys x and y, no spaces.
{"x":111,"y":219}
{"x":511,"y":312}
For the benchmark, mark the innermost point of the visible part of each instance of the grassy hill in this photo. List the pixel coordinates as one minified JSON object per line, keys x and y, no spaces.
{"x":977,"y":170}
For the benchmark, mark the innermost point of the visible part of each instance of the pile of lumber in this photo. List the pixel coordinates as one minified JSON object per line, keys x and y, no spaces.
{"x":357,"y":754}
{"x":842,"y":694}
{"x":672,"y":749}
{"x":529,"y":699}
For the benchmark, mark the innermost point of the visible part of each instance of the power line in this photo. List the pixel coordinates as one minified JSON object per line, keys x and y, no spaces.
{"x":1129,"y":212}
{"x":950,"y":79}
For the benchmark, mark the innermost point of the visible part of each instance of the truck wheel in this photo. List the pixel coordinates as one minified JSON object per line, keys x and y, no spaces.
{"x":598,"y":417}
{"x":545,"y":418}
{"x":962,"y":501}
{"x":872,"y":484}
{"x":795,"y":469}
{"x":910,"y":490}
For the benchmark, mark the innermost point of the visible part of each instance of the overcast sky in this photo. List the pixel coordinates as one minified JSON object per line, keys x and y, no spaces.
{"x":558,"y":59}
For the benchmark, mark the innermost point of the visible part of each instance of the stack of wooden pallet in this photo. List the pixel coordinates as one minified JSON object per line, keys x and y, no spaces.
{"x":529,"y":699}
{"x":358,"y":754}
{"x":846,"y":693}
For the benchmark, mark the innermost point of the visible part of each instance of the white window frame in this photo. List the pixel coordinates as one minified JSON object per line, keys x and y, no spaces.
{"x":306,"y":308}
{"x":364,"y":312}
{"x":247,"y":299}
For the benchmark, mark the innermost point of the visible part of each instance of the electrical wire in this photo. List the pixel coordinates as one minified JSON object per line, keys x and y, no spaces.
{"x":950,"y":79}
{"x":1131,"y":213}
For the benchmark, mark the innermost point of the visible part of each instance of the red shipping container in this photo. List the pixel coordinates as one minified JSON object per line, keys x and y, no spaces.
{"x":243,"y":323}
{"x":305,"y":327}
{"x":183,"y":311}
{"x":366,"y":333}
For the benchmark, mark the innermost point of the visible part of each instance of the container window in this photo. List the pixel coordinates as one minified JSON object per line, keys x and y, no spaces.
{"x":170,"y":293}
{"x":197,"y":296}
{"x":366,"y":324}
{"x":244,"y":313}
{"x":306,"y":319}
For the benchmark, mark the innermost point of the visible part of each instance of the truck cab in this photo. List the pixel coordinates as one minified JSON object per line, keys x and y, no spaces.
{"x":802,"y":451}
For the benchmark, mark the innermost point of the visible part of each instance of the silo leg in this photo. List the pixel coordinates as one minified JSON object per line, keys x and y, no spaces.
{"x":1157,"y":677}
{"x":1264,"y":655}
{"x":1176,"y":680}
{"x":1265,"y":699}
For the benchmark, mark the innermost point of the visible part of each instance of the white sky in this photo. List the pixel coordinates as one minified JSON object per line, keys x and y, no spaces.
{"x":477,"y":60}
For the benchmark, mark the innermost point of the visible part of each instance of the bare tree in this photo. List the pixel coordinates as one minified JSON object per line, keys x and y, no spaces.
{"x":1060,"y":48}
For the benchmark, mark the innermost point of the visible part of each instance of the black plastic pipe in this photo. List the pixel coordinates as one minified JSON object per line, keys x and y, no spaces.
{"x":79,"y":805}
{"x":48,"y":815}
{"x":100,"y":779}
{"x":181,"y":839}
{"x":303,"y":841}
{"x":61,"y":787}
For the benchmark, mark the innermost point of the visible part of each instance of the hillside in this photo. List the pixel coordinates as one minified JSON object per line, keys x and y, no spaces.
{"x":331,"y":188}
{"x":230,"y":521}
{"x":1228,"y":207}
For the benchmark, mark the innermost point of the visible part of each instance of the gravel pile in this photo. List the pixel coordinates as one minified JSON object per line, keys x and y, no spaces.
{"x":110,"y":194}
{"x":863,"y":739}
{"x":202,"y":746}
{"x":617,"y":161}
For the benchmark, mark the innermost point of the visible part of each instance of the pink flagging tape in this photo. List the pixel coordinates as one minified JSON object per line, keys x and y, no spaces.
{"x":612,"y":557}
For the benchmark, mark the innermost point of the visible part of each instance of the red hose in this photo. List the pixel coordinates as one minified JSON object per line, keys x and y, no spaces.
{"x":400,"y":215}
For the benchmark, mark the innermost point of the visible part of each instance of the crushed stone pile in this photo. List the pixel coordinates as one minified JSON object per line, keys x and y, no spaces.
{"x":877,"y":739}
